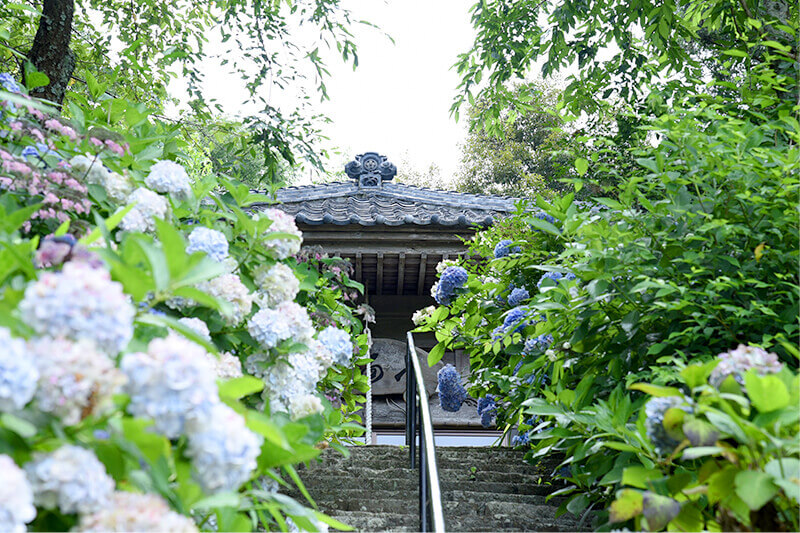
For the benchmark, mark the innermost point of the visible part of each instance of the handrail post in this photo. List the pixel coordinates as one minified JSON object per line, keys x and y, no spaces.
{"x":411,"y":408}
{"x":423,"y":479}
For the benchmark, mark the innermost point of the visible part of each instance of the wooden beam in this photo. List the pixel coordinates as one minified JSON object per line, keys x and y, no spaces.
{"x":423,"y":263}
{"x":379,"y":288}
{"x":358,"y":267}
{"x":401,"y":271}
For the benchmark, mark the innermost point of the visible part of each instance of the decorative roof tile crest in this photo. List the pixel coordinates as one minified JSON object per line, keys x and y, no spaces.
{"x":370,"y":169}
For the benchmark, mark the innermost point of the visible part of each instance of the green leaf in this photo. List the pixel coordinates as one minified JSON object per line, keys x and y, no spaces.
{"x":697,"y":375}
{"x":240,"y":387}
{"x":62,"y":229}
{"x":659,"y":510}
{"x":699,"y":432}
{"x":581,"y":165}
{"x":110,"y":223}
{"x":786,"y":474}
{"x":544,"y":226}
{"x":322,"y":517}
{"x":655,"y":390}
{"x":701,"y":451}
{"x":629,"y":503}
{"x":21,"y":427}
{"x":221,"y":499}
{"x":436,"y":354}
{"x":755,"y":488}
{"x":640,"y":477}
{"x":169,"y":322}
{"x":768,"y":393}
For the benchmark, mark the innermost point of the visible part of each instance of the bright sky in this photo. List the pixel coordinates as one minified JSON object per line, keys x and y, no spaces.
{"x":397,"y":101}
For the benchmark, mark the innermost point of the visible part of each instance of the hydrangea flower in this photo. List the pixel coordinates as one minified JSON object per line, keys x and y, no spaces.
{"x":541,"y":215}
{"x":451,"y":392}
{"x":452,"y":279}
{"x":227,"y":366}
{"x":18,"y":375}
{"x":555,"y":277}
{"x":738,"y":361}
{"x":16,"y":496}
{"x":503,"y":248}
{"x":289,"y":379}
{"x":521,"y":439}
{"x":91,"y":167}
{"x":130,"y":511}
{"x":229,"y":287}
{"x":173,"y":380}
{"x":517,"y":296}
{"x":541,"y":343}
{"x":8,"y":83}
{"x":654,"y":422}
{"x":196,"y":325}
{"x":441,"y":266}
{"x":420,"y":316}
{"x":338,"y":342}
{"x":71,"y":479}
{"x":212,"y":242}
{"x":487,"y":409}
{"x":516,"y":319}
{"x":272,"y":326}
{"x":282,"y":223}
{"x":222,"y":449}
{"x":169,"y":177}
{"x":276,"y":283}
{"x":305,"y":405}
{"x":80,"y":302}
{"x":149,"y":206}
{"x":75,"y":379}
{"x":118,"y":187}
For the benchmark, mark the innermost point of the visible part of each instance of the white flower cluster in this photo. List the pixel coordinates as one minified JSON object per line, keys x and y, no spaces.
{"x":272,"y":326}
{"x":305,"y":405}
{"x":172,"y":381}
{"x":212,"y":242}
{"x":442,"y":265}
{"x":287,"y":382}
{"x":169,"y":177}
{"x":117,"y":186}
{"x":149,"y":206}
{"x":16,"y":497}
{"x":197,"y":325}
{"x":75,"y":380}
{"x":282,"y":223}
{"x":130,"y":511}
{"x":420,"y":316}
{"x":70,"y":478}
{"x":338,"y":343}
{"x":18,"y":375}
{"x":227,"y":365}
{"x":222,"y":449}
{"x":738,"y":361}
{"x":229,"y":287}
{"x":79,"y":302}
{"x":276,"y":284}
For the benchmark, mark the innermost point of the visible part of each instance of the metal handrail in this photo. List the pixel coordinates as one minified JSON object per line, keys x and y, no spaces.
{"x":430,"y":494}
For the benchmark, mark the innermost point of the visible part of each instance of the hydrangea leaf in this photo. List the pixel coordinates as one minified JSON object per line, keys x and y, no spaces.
{"x":639,"y":476}
{"x":659,"y":510}
{"x":699,"y":432}
{"x":786,"y":474}
{"x":768,"y":393}
{"x":673,"y":422}
{"x":240,"y":387}
{"x":755,"y":488}
{"x":696,"y":375}
{"x":655,"y":390}
{"x":629,"y":503}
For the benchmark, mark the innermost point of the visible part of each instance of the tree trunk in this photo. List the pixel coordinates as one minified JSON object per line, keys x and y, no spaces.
{"x":50,"y":52}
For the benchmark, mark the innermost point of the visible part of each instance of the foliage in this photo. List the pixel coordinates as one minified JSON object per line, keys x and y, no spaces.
{"x":157,"y":384}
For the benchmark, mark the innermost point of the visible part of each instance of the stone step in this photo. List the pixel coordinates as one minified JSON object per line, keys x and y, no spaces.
{"x":366,"y":521}
{"x":382,"y":496}
{"x":443,"y":465}
{"x":357,"y":473}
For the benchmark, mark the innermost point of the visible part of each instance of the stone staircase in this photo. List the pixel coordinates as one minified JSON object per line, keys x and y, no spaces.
{"x":483,"y":489}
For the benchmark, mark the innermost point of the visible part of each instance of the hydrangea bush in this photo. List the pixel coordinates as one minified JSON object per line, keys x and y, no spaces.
{"x":165,"y":344}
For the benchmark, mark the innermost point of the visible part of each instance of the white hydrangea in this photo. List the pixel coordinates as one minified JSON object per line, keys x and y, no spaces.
{"x":276,"y":283}
{"x":338,"y":342}
{"x":130,"y":511}
{"x":212,"y":242}
{"x":75,"y":379}
{"x":80,"y":302}
{"x":173,"y":380}
{"x":223,"y":451}
{"x":737,"y":362}
{"x":305,"y":405}
{"x":421,"y":315}
{"x":229,"y":287}
{"x":288,"y":321}
{"x":196,"y":325}
{"x":282,"y":223}
{"x":295,"y":377}
{"x":169,"y":177}
{"x":227,"y":366}
{"x":91,"y":167}
{"x":442,"y":265}
{"x":118,"y":187}
{"x":71,"y":479}
{"x":18,"y":374}
{"x":16,"y":497}
{"x":149,"y":206}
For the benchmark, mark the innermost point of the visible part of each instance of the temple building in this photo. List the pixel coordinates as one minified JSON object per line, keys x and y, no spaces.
{"x":394,"y":235}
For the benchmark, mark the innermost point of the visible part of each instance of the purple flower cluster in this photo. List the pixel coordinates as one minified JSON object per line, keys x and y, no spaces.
{"x":555,"y":277}
{"x":542,"y":342}
{"x":451,"y":392}
{"x":737,"y":362}
{"x":517,"y":296}
{"x":453,"y":278}
{"x":503,"y":248}
{"x":487,"y":409}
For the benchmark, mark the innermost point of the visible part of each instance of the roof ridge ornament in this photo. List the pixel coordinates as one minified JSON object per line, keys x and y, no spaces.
{"x":370,"y":169}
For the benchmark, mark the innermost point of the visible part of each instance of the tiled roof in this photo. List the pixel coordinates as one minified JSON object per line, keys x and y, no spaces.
{"x":391,"y":204}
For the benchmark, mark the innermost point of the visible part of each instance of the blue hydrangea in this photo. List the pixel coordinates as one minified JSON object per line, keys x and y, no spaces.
{"x":169,"y":177}
{"x":503,"y":248}
{"x":487,"y":409}
{"x":71,"y":479}
{"x":516,"y":319}
{"x":555,"y":277}
{"x":451,"y":392}
{"x":18,"y":373}
{"x":338,"y":343}
{"x":654,"y":422}
{"x":269,"y":327}
{"x":517,"y":296}
{"x":8,"y":83}
{"x":212,"y":242}
{"x":540,"y":343}
{"x":453,"y":278}
{"x":541,"y":215}
{"x":223,"y":451}
{"x":522,"y":439}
